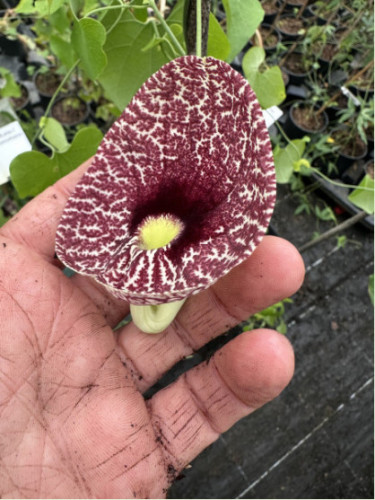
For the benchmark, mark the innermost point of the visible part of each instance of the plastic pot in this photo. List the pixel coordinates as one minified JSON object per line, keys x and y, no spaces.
{"x":354,"y":174}
{"x":23,"y":103}
{"x":46,"y":83}
{"x":70,"y":111}
{"x":290,"y":27}
{"x":271,"y":9}
{"x":310,"y":12}
{"x":294,"y":67}
{"x":324,"y":61}
{"x":295,"y":129}
{"x":345,"y":158}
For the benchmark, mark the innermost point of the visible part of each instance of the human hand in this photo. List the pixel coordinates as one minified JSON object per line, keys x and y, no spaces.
{"x":73,"y":419}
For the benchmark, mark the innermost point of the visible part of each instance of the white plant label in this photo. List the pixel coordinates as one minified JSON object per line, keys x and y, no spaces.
{"x":13,"y":141}
{"x":271,"y":115}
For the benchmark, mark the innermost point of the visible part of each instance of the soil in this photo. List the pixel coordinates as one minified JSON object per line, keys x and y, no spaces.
{"x":20,"y":102}
{"x":269,"y":7}
{"x":269,"y":37}
{"x":295,"y":64}
{"x":69,"y":110}
{"x":328,"y":52}
{"x":340,"y":102}
{"x":307,"y":118}
{"x":353,"y":147}
{"x":47,"y":83}
{"x":290,"y":25}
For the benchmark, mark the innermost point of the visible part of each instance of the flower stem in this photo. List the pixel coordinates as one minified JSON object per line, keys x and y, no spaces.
{"x":198,"y":45}
{"x":155,"y":319}
{"x":163,"y":22}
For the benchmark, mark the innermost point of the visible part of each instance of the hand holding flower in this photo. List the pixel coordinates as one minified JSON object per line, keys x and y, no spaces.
{"x":74,"y":422}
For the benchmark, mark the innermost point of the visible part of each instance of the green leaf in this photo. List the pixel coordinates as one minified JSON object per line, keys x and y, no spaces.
{"x":364,"y":199}
{"x":76,"y":6}
{"x":268,"y":85}
{"x":218,"y":44}
{"x":54,"y":133}
{"x":243,"y":18}
{"x":84,"y":145}
{"x":177,"y":13}
{"x":140,"y":14}
{"x":251,"y":62}
{"x":285,"y":158}
{"x":60,"y":20}
{"x":9,"y":86}
{"x":88,"y":38}
{"x":128,"y":66}
{"x":41,"y":7}
{"x":371,"y":288}
{"x":32,"y":172}
{"x":63,"y":50}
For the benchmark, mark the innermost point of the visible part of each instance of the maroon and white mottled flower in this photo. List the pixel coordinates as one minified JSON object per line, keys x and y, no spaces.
{"x":192,"y":145}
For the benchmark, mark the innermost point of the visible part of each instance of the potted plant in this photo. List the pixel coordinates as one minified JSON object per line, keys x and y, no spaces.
{"x":70,"y":110}
{"x":291,"y":27}
{"x":302,"y":119}
{"x":47,"y":81}
{"x":350,"y":135}
{"x":271,"y":8}
{"x":296,"y":66}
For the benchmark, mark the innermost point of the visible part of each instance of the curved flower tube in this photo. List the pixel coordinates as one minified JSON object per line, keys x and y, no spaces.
{"x":181,"y":190}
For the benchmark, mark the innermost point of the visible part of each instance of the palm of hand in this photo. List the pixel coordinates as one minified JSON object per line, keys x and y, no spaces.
{"x":70,"y":411}
{"x":73,"y":419}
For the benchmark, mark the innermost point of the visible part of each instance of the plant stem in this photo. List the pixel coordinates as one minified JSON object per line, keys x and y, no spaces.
{"x":331,"y":232}
{"x":160,"y":18}
{"x":63,"y":82}
{"x":56,"y":93}
{"x":198,"y":44}
{"x":113,"y":7}
{"x":339,"y":184}
{"x":334,"y":97}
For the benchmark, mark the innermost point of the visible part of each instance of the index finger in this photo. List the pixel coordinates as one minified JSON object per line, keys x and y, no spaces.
{"x":35,"y":224}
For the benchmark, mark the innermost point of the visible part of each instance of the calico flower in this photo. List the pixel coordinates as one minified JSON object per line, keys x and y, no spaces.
{"x":181,"y":189}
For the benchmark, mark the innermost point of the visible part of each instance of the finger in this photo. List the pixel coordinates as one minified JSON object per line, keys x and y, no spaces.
{"x":274,"y":271}
{"x":245,"y":374}
{"x":35,"y":224}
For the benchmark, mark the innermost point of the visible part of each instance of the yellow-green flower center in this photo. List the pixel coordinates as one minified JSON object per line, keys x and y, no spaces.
{"x":157,"y":232}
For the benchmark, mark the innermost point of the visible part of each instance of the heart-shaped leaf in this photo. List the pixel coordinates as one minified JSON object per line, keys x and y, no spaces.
{"x":218,"y":44}
{"x":33,"y":171}
{"x":364,"y":198}
{"x":285,"y":159}
{"x":128,"y":66}
{"x":41,"y":7}
{"x":54,"y":133}
{"x":243,"y":18}
{"x":88,"y":38}
{"x":268,"y":85}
